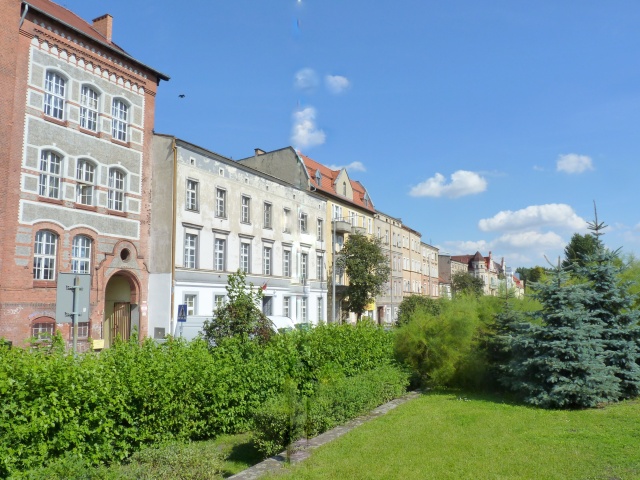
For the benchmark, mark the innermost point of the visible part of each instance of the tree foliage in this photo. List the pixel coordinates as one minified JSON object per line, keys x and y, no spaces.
{"x":531,"y":275}
{"x":579,"y":247}
{"x":240,"y":316}
{"x":367,"y":268}
{"x":413,"y":302}
{"x":464,"y":283}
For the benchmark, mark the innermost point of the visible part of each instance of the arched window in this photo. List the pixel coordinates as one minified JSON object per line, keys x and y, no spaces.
{"x":44,"y":255}
{"x":89,"y":108}
{"x":43,"y":327}
{"x":54,"y":87}
{"x":119,"y":122}
{"x":81,"y":254}
{"x":85,"y":176}
{"x":49,"y":180}
{"x":116,"y":190}
{"x":344,"y":188}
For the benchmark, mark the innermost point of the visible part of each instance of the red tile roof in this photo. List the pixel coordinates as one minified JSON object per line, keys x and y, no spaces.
{"x":68,"y":17}
{"x":327,"y":182}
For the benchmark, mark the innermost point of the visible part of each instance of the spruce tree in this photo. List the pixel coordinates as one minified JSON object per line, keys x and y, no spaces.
{"x":558,"y":361}
{"x":612,"y":308}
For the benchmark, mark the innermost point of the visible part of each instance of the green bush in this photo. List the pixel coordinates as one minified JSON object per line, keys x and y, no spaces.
{"x":288,"y":417}
{"x":104,"y":407}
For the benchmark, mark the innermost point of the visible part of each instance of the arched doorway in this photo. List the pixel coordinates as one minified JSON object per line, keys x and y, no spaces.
{"x":121,"y":315}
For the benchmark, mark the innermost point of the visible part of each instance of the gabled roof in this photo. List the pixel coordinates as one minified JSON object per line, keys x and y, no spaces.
{"x":73,"y":21}
{"x":327,"y":183}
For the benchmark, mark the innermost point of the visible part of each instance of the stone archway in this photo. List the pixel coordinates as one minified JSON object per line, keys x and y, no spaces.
{"x":121,"y":314}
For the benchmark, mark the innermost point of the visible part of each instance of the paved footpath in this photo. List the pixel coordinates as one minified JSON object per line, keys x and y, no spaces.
{"x":303,"y":448}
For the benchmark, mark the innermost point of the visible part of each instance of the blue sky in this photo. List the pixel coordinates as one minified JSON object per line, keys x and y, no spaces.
{"x":483,"y":125}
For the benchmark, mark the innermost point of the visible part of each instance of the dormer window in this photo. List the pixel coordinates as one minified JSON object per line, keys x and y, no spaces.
{"x":318,"y":177}
{"x":366,"y":200}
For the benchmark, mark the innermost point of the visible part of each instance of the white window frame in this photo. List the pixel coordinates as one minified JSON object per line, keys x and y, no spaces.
{"x":304,"y":266}
{"x":303,"y":309}
{"x":50,"y":178}
{"x":192,"y":190}
{"x":116,"y":195}
{"x":89,"y":101}
{"x":246,"y":209}
{"x":221,"y":203}
{"x":267,"y":257}
{"x":45,"y":251}
{"x":219,"y":300}
{"x":85,"y":180}
{"x":54,"y":97}
{"x":220,"y":254}
{"x":286,"y":219}
{"x":320,"y":229}
{"x":304,"y":222}
{"x":320,"y":309}
{"x":119,"y":120}
{"x":191,"y":300}
{"x":245,"y":256}
{"x":319,"y":267}
{"x":286,"y":307}
{"x":286,"y":263}
{"x":268,"y":215}
{"x":81,"y":254}
{"x":190,"y":250}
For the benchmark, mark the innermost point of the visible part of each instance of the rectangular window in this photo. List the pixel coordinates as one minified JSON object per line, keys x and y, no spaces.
{"x":83,"y":329}
{"x":85,"y":173}
{"x":370,"y":227}
{"x":337,"y":212}
{"x":320,"y":229}
{"x":267,"y":305}
{"x":303,"y":222}
{"x":320,"y":310}
{"x":246,"y":210}
{"x":304,"y":264}
{"x":286,"y":220}
{"x":386,"y":237}
{"x":353,"y":218}
{"x":286,"y":307}
{"x":190,"y":250}
{"x":303,"y":309}
{"x":319,"y":267}
{"x":192,"y":195}
{"x":81,"y":254}
{"x":266,"y":260}
{"x":54,"y":87}
{"x":119,"y":114}
{"x":221,"y":203}
{"x":218,"y":300}
{"x":245,"y":257}
{"x":268,"y":217}
{"x":49,"y":180}
{"x":191,"y":301}
{"x":286,"y":263}
{"x":220,"y":251}
{"x":116,"y":190}
{"x":88,"y":109}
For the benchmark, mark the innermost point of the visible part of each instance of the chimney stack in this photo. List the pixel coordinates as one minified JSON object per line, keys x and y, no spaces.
{"x":259,"y":151}
{"x":104,"y":25}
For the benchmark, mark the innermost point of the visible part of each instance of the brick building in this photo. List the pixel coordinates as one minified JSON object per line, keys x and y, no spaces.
{"x":77,"y":115}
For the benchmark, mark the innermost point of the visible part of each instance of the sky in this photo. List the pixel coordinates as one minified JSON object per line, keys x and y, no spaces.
{"x":486,"y":126}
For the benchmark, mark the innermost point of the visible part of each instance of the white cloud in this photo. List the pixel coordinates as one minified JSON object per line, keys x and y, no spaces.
{"x":305,"y":133}
{"x":464,"y":247}
{"x":529,"y":239}
{"x":462,"y":183}
{"x":336,"y":83}
{"x":352,"y":167}
{"x":534,"y":216}
{"x":574,"y":163}
{"x":305,"y":79}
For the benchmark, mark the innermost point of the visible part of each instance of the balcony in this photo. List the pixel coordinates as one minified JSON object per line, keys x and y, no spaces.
{"x":340,"y":226}
{"x":358,"y":230}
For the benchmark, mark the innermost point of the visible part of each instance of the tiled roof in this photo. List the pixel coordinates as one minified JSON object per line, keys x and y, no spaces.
{"x":68,"y":17}
{"x":327,"y":182}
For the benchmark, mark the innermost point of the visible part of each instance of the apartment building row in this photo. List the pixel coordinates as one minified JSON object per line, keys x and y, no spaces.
{"x":146,"y":222}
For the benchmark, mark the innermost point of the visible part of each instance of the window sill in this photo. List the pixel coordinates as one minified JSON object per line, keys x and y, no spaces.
{"x":120,"y":142}
{"x":221,"y":217}
{"x":117,"y":213}
{"x":57,"y":121}
{"x":89,"y":208}
{"x":54,"y":201}
{"x":90,"y":132}
{"x":44,"y":284}
{"x":193,"y":210}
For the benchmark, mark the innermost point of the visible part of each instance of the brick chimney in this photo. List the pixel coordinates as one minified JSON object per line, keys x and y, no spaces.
{"x":104,"y":25}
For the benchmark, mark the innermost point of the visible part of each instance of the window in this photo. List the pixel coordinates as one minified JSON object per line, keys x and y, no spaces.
{"x":116,"y":190}
{"x":370,"y":227}
{"x":81,"y":254}
{"x":190,"y":250}
{"x":337,"y":212}
{"x":44,"y":255}
{"x":386,"y":237}
{"x":43,"y":329}
{"x":218,"y":300}
{"x":267,"y":305}
{"x":303,"y":309}
{"x":266,"y":260}
{"x":54,"y":86}
{"x":119,"y":112}
{"x":192,"y":195}
{"x":246,"y":209}
{"x":85,"y":174}
{"x":286,"y":306}
{"x":304,"y":263}
{"x":303,"y":222}
{"x":191,"y":301}
{"x":89,"y":108}
{"x":220,"y":249}
{"x":287,"y":225}
{"x":49,"y":180}
{"x":267,"y":215}
{"x":344,"y":188}
{"x":320,"y":229}
{"x":286,"y":263}
{"x":320,"y":310}
{"x":245,"y":257}
{"x":221,"y":203}
{"x":353,"y":218}
{"x":319,"y":267}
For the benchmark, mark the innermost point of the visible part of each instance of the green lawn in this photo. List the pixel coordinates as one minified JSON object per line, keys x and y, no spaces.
{"x":440,"y":436}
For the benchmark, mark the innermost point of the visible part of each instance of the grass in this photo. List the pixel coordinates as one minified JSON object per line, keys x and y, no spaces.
{"x":444,"y":436}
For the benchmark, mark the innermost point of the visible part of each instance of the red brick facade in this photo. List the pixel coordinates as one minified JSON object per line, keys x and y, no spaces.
{"x":43,"y":42}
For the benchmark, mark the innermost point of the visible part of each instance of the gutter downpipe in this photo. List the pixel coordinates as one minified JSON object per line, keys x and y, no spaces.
{"x":24,"y":14}
{"x":173,"y":229}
